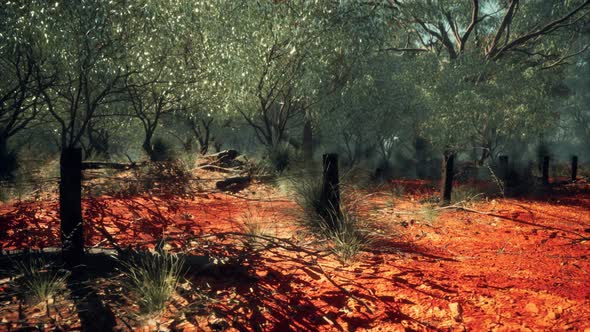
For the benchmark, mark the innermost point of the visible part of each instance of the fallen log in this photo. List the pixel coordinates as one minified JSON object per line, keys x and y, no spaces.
{"x":225,"y":157}
{"x":108,"y":165}
{"x":233,"y":184}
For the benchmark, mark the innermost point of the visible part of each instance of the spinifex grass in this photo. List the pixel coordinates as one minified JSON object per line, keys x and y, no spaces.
{"x":343,"y":227}
{"x":40,"y":281}
{"x":152,"y":279}
{"x":257,"y":227}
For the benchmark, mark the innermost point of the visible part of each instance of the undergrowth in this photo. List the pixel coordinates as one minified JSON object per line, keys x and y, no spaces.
{"x":344,"y":228}
{"x":151,"y":280}
{"x":40,"y":281}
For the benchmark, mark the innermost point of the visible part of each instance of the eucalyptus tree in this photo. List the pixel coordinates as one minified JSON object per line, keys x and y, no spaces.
{"x":490,"y":65}
{"x":274,"y":52}
{"x":21,"y":57}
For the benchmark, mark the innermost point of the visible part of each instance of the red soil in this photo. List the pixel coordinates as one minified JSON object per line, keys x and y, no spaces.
{"x":518,"y":265}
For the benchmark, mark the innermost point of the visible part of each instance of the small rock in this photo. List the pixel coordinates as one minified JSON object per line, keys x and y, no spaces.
{"x":456,"y":311}
{"x":532,"y":308}
{"x":552,"y":315}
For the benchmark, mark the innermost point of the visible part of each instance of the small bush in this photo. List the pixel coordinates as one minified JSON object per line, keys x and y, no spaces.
{"x":168,"y":178}
{"x":308,"y":195}
{"x":40,"y":281}
{"x":151,"y":280}
{"x":281,"y":157}
{"x":163,"y":150}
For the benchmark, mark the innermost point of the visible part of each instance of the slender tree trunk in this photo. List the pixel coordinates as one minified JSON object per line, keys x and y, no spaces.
{"x":545,"y":170}
{"x":7,"y":160}
{"x":574,"y":168}
{"x":503,"y":168}
{"x":307,"y":141}
{"x":148,"y":148}
{"x":420,"y":147}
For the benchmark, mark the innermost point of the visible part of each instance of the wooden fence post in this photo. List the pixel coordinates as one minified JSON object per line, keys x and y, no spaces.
{"x":70,"y":206}
{"x":447,"y":177}
{"x":330,"y":198}
{"x":574,"y":168}
{"x":545,"y":170}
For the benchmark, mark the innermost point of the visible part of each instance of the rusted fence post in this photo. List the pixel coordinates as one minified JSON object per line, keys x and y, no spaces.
{"x":330,"y":198}
{"x":545,"y":169}
{"x":574,"y":168}
{"x":446,"y":186}
{"x":70,"y":206}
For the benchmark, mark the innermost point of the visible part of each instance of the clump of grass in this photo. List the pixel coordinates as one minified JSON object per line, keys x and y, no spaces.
{"x":398,"y":190}
{"x":350,"y":238}
{"x":152,"y":279}
{"x":429,"y":213}
{"x":256,"y":227}
{"x":41,"y":282}
{"x":342,"y":227}
{"x":466,"y":194}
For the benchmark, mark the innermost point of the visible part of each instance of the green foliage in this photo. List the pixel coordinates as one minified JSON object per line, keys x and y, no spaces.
{"x":151,"y":280}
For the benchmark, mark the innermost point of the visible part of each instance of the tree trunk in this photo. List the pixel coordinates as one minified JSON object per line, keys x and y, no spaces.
{"x":545,"y":170}
{"x":7,"y":160}
{"x":503,"y":168}
{"x":574,"y":168}
{"x":148,"y":148}
{"x":420,"y":152}
{"x":307,"y":141}
{"x":70,"y":206}
{"x":447,"y":177}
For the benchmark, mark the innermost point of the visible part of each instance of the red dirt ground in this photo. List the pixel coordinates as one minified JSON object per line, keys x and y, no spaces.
{"x":506,"y":265}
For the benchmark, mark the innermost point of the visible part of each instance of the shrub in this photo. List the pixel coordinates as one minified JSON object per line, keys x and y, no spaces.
{"x":281,"y":157}
{"x":151,"y":280}
{"x":163,"y":150}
